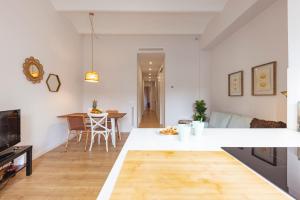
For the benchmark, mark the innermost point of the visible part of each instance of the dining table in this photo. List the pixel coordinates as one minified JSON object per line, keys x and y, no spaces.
{"x":113,"y":117}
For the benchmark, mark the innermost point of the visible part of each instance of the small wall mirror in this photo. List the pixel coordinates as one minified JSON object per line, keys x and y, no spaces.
{"x":53,"y":83}
{"x":33,"y":70}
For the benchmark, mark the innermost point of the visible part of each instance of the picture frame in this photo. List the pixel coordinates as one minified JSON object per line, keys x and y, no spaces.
{"x":264,"y":79}
{"x":266,"y":154}
{"x":236,"y":84}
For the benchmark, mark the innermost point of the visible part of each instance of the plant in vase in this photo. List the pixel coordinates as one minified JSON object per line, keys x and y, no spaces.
{"x":199,"y":116}
{"x":200,"y":109}
{"x":95,"y":110}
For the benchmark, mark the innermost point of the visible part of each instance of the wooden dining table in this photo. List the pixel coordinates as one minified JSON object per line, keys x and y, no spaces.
{"x":113,"y":117}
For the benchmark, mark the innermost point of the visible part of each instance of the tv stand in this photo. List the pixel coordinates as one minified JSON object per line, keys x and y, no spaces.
{"x":14,"y":152}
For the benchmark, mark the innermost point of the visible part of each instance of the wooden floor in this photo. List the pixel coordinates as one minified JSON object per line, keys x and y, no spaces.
{"x":65,"y":175}
{"x":149,"y":120}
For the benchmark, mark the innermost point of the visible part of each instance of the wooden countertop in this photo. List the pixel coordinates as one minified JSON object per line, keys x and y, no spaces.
{"x":189,"y":175}
{"x":210,"y":140}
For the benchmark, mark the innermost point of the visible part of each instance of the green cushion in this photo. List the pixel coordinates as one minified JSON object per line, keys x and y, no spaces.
{"x":238,"y":121}
{"x":219,"y":120}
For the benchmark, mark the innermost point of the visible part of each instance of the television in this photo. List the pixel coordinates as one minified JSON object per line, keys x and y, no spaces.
{"x":10,"y":125}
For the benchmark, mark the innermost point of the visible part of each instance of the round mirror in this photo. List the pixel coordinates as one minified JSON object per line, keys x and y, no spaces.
{"x":33,"y":70}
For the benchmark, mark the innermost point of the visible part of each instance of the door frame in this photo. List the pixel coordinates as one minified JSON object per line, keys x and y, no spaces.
{"x":138,"y":111}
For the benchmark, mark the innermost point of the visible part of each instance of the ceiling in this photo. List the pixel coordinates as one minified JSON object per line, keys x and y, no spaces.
{"x":184,"y":17}
{"x":153,"y":61}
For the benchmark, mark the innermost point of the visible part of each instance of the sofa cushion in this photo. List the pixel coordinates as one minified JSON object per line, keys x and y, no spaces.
{"x":238,"y":121}
{"x":219,"y":120}
{"x":258,"y":123}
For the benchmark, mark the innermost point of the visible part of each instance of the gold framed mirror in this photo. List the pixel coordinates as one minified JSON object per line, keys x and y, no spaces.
{"x":33,"y":70}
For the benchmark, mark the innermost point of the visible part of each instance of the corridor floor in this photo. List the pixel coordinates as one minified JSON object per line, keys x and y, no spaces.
{"x":149,"y":120}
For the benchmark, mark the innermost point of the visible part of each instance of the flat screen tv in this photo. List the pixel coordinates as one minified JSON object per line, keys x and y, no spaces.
{"x":10,"y":133}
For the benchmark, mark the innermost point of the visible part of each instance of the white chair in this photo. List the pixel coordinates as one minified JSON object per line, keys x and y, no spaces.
{"x":99,"y":127}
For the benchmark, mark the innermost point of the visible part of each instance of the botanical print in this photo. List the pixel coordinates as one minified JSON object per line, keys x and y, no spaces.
{"x":236,"y":84}
{"x":263,"y":78}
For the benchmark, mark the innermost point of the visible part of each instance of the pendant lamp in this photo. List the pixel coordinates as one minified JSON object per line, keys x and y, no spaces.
{"x":92,"y":76}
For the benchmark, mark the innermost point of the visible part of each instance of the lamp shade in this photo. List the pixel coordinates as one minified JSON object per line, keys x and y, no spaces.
{"x":92,"y":76}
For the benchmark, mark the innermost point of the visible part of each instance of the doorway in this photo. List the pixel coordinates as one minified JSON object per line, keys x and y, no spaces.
{"x":151,"y":90}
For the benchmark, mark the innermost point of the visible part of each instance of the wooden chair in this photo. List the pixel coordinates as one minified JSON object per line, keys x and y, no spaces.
{"x":99,"y":127}
{"x":117,"y":126}
{"x":77,"y":126}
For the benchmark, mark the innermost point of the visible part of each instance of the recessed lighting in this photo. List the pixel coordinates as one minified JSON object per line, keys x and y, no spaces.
{"x":150,"y":63}
{"x":150,"y":74}
{"x":150,"y":69}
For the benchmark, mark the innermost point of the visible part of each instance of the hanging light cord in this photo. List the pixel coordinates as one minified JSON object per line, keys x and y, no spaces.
{"x":92,"y":18}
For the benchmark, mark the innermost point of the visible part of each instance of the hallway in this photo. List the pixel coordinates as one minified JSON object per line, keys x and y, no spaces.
{"x":149,"y":120}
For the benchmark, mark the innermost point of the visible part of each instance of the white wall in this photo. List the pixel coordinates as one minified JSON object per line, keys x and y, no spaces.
{"x":235,"y":14}
{"x":262,"y":40}
{"x":33,"y":28}
{"x":116,"y":60}
{"x":293,"y":92}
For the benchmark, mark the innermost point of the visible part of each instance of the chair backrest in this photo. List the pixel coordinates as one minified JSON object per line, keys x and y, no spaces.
{"x":98,"y":121}
{"x":76,"y":123}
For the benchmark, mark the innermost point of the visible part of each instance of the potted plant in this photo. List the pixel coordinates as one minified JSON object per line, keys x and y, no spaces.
{"x":95,"y":110}
{"x":199,"y":116}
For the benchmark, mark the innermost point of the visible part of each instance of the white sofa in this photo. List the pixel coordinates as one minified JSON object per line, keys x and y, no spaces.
{"x":228,"y":120}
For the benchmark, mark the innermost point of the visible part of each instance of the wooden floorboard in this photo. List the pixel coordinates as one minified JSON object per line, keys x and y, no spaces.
{"x":65,"y":175}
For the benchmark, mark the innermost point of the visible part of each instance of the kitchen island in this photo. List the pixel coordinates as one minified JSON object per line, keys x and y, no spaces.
{"x":212,"y":140}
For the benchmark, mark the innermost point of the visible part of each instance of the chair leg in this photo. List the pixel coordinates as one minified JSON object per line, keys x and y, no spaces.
{"x":92,"y":141}
{"x":106,"y":142}
{"x":66,"y":147}
{"x":79,"y":139}
{"x":86,"y":140}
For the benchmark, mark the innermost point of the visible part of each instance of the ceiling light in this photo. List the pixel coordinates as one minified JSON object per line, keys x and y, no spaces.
{"x":92,"y":76}
{"x":150,"y":69}
{"x":150,"y":74}
{"x":150,"y":63}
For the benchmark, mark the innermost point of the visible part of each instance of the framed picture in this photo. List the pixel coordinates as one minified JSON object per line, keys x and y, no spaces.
{"x":235,"y":84}
{"x":266,"y":154}
{"x":264,"y":79}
